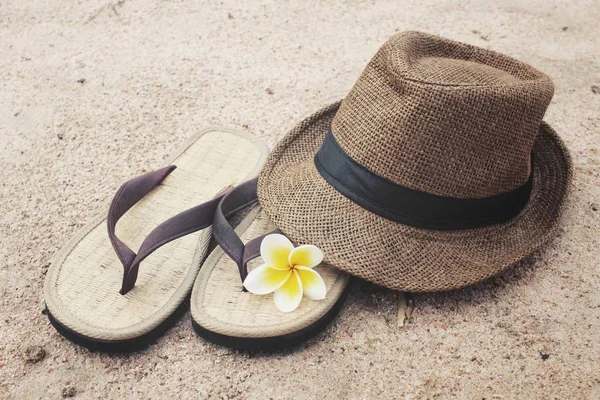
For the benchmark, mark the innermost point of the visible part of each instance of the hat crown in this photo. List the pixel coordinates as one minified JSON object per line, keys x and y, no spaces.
{"x":444,"y":117}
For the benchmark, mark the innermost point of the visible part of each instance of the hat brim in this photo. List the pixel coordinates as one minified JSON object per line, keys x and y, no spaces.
{"x":308,"y":210}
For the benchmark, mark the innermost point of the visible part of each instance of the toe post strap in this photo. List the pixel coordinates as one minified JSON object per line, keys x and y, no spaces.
{"x":126,"y":197}
{"x":236,"y":200}
{"x":184,"y":223}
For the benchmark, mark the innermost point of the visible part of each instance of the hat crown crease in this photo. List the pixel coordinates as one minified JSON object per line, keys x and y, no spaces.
{"x":444,"y":117}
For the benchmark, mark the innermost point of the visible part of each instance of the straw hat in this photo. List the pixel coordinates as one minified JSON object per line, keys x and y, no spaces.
{"x":435,"y":172}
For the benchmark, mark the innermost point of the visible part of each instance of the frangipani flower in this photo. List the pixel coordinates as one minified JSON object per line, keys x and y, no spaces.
{"x":288,"y":272}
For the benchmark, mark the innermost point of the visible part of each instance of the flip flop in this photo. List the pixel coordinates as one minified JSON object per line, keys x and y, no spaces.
{"x":225,"y":314}
{"x":98,"y":294}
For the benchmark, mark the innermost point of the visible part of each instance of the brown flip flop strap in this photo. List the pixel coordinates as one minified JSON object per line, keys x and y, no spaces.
{"x":128,"y":194}
{"x":237,"y":199}
{"x":184,"y":223}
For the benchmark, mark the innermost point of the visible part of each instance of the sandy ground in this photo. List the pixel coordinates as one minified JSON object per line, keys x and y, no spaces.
{"x":94,"y":92}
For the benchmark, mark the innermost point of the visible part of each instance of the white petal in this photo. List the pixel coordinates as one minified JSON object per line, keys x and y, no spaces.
{"x":275,"y":250}
{"x":287,"y":298}
{"x":312,"y":284}
{"x":306,"y":255}
{"x":264,"y":279}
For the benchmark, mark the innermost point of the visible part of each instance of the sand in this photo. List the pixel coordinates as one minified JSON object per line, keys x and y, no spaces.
{"x":95,"y":92}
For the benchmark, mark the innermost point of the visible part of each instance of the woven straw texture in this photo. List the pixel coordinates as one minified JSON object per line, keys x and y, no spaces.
{"x":82,"y":284}
{"x":437,"y":116}
{"x":444,"y":117}
{"x":219,"y":304}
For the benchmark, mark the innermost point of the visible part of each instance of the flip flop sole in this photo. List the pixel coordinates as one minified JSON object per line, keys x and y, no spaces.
{"x":274,"y":343}
{"x":82,"y":284}
{"x":121,"y":346}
